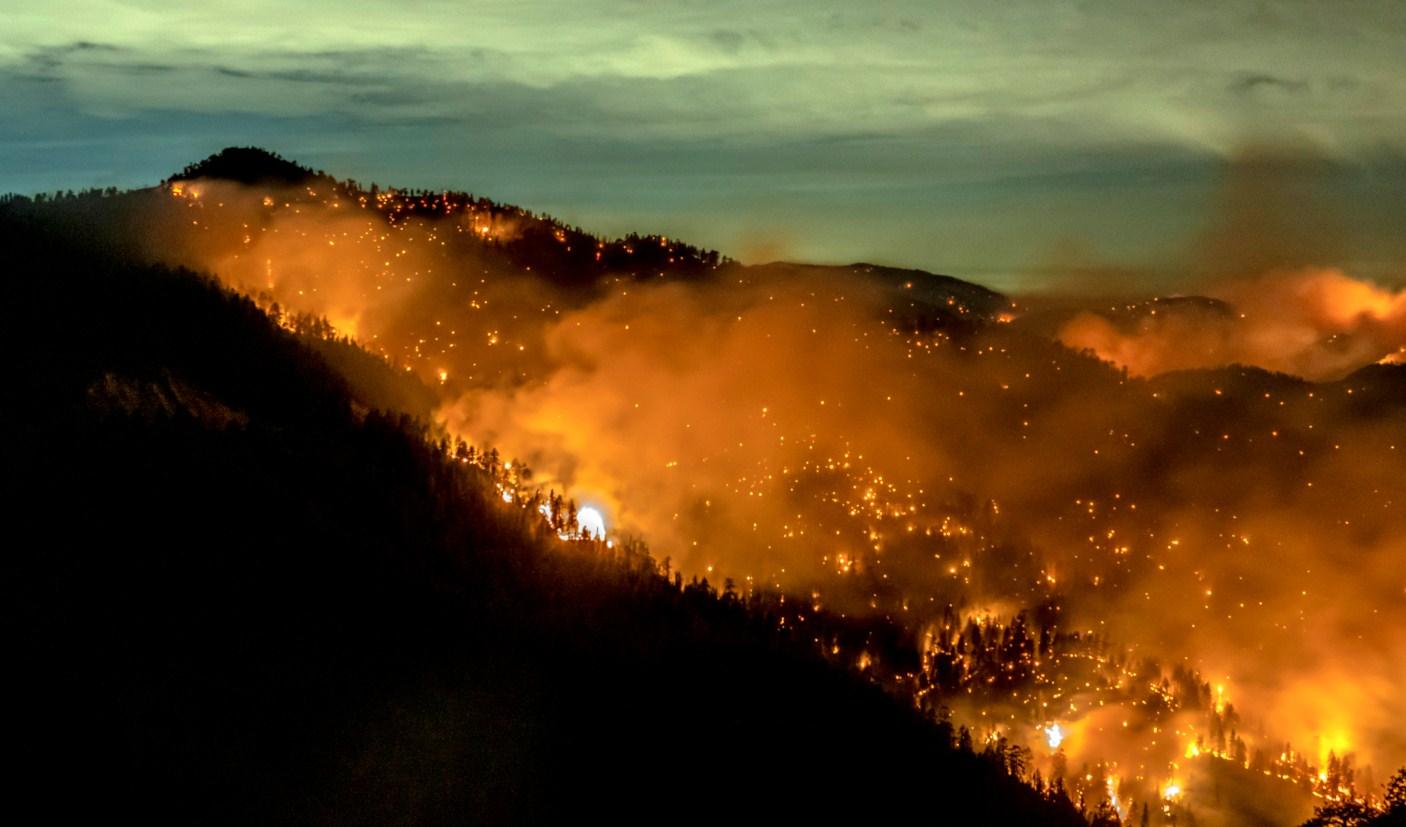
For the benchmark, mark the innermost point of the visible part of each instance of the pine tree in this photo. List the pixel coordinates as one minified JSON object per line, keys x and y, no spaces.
{"x":1395,"y":800}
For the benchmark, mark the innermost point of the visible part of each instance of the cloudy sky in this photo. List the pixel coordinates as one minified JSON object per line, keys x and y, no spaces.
{"x":1020,"y":144}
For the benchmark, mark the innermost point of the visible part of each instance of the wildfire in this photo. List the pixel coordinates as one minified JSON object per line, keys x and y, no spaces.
{"x":810,"y":477}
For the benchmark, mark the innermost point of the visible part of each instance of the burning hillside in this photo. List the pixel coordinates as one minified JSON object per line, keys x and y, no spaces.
{"x":1159,"y":552}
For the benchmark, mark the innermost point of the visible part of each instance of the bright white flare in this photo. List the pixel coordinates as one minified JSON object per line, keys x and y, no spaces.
{"x":591,"y":523}
{"x":1054,"y":736}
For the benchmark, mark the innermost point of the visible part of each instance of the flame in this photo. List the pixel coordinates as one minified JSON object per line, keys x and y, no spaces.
{"x":1111,"y":784}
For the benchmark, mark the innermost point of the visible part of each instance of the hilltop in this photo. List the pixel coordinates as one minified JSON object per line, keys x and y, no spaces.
{"x":249,"y":165}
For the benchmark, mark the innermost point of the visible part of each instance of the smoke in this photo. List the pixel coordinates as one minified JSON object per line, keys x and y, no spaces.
{"x":703,"y":415}
{"x":1315,"y":323}
{"x":850,"y":434}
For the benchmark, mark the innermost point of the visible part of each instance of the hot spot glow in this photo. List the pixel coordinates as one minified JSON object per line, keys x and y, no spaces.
{"x":591,"y":523}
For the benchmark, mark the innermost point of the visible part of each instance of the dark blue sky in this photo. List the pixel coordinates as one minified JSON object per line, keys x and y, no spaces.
{"x":1020,"y":144}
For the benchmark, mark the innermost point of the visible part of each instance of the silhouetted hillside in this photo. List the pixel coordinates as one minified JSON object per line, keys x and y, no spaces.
{"x":248,"y":165}
{"x":240,"y":594}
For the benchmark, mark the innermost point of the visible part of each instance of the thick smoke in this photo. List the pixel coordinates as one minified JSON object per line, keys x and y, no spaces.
{"x":847,"y":433}
{"x":1316,"y":323}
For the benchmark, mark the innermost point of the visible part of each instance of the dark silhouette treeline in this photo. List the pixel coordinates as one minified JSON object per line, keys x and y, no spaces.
{"x":1389,"y":812}
{"x":532,"y":241}
{"x":240,"y":591}
{"x":374,"y":383}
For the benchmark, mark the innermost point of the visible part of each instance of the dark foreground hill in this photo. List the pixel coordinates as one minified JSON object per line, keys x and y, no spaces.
{"x":237,"y":596}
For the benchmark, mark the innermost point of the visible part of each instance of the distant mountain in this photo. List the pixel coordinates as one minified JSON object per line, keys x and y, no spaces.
{"x":922,"y":290}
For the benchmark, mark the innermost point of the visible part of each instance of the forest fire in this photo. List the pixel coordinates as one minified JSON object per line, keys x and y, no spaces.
{"x":339,"y":502}
{"x":990,"y":525}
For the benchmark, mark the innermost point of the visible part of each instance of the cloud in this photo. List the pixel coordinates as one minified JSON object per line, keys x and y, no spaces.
{"x":973,"y":138}
{"x":1250,"y":83}
{"x":1064,"y":63}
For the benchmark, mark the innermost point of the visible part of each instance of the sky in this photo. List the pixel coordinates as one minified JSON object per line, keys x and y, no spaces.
{"x":1029,"y":146}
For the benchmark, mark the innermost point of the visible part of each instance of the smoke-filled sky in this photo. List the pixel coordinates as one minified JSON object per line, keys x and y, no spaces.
{"x":1022,"y":145}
